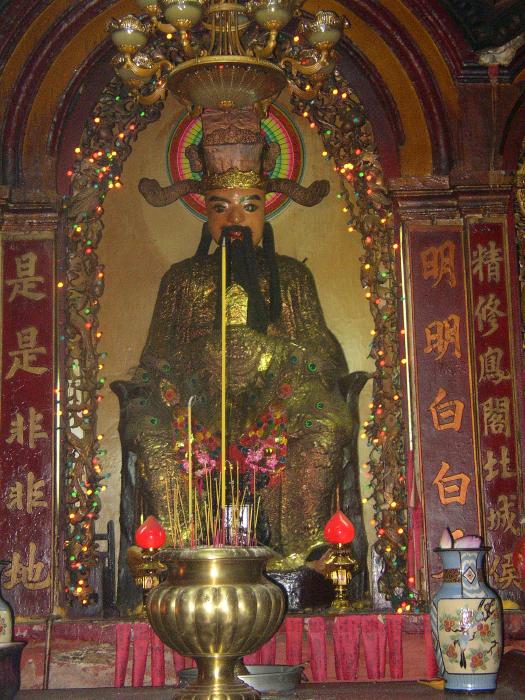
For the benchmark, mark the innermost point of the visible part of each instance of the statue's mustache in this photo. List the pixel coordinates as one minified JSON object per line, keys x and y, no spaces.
{"x":234,"y":232}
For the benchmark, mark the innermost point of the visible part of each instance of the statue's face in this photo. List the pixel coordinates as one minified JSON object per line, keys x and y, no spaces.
{"x":227,"y":207}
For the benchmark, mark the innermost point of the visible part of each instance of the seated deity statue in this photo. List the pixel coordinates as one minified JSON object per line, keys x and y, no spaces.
{"x":286,"y":371}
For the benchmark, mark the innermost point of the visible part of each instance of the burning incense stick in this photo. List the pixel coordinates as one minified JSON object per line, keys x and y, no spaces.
{"x":223,"y":375}
{"x":190,"y":463}
{"x":170,"y":514}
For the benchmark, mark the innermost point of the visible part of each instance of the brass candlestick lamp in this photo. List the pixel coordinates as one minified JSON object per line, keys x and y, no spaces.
{"x":142,"y":557}
{"x":340,"y":564}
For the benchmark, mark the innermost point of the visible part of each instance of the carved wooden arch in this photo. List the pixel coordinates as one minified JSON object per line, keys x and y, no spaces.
{"x":512,"y":136}
{"x":106,"y":142}
{"x":416,"y":66}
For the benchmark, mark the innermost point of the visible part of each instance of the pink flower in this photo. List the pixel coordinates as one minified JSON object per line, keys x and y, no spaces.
{"x":477,"y":660}
{"x":451,"y":651}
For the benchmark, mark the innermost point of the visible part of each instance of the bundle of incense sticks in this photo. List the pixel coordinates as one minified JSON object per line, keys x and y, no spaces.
{"x":208,"y":522}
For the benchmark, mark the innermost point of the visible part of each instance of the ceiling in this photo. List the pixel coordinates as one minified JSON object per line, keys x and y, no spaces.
{"x":487,"y":23}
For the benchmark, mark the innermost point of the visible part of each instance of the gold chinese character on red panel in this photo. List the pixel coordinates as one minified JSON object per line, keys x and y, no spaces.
{"x":26,"y":495}
{"x":487,"y":312}
{"x":500,"y":465}
{"x":26,"y":356}
{"x":490,"y":366}
{"x":439,"y":335}
{"x":452,"y":488}
{"x":446,"y":415}
{"x":34,"y":575}
{"x":504,"y":516}
{"x":502,"y":572}
{"x":27,"y":432}
{"x":496,"y":416}
{"x":27,"y":282}
{"x":438,"y":263}
{"x":486,"y":261}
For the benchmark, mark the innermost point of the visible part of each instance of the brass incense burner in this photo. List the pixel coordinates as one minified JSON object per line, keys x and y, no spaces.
{"x":216,"y":606}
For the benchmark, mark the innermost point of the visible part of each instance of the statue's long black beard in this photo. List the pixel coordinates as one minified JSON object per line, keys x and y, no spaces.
{"x":242,"y":269}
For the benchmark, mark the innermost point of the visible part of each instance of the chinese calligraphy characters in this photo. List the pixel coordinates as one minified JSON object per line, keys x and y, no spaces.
{"x":452,"y":488}
{"x":32,"y":428}
{"x":26,"y":498}
{"x":443,"y":340}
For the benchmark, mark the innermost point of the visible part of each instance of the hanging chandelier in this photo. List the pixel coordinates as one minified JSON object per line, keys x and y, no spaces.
{"x":224,"y":55}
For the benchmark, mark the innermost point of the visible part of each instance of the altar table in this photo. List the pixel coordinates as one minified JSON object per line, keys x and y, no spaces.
{"x":511,"y":686}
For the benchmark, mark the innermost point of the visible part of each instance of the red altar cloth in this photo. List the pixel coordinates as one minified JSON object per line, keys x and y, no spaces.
{"x":342,"y":648}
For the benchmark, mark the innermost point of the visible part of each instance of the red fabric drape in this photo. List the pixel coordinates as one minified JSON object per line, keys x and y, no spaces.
{"x":379,"y":637}
{"x":394,"y":629}
{"x":253,"y":659}
{"x":294,"y":640}
{"x":347,"y":631}
{"x":122,"y":641}
{"x":430,"y":657}
{"x":369,"y":635}
{"x":316,"y":627}
{"x":268,"y":651}
{"x":158,"y":666}
{"x":141,"y":643}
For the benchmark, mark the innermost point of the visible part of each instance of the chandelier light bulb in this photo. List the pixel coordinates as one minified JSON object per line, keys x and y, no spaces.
{"x":272,"y":14}
{"x":182,"y":14}
{"x":128,"y":34}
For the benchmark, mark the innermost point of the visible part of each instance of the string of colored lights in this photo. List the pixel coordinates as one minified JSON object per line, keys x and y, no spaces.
{"x":347,"y":139}
{"x":98,"y":160}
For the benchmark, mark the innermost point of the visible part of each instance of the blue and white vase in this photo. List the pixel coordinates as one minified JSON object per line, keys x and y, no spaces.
{"x":466,"y":618}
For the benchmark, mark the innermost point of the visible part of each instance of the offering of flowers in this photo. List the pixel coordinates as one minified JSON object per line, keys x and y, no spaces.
{"x":221,"y":505}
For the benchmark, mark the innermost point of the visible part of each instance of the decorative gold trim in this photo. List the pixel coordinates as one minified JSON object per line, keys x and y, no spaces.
{"x":233,"y":179}
{"x":451,"y":575}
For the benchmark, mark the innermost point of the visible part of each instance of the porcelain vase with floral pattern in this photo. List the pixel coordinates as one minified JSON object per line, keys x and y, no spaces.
{"x":466,"y":618}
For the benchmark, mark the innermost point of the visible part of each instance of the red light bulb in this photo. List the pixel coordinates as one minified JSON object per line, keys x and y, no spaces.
{"x":339,"y":529}
{"x":151,"y":534}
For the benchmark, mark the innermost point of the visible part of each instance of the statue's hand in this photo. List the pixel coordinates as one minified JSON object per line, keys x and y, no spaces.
{"x":248,"y":353}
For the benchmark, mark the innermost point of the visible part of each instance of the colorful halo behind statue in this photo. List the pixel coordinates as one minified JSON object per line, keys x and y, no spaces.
{"x":278,"y":127}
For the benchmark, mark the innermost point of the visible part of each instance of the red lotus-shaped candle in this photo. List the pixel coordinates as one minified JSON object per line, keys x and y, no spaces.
{"x":339,"y":529}
{"x":151,"y":534}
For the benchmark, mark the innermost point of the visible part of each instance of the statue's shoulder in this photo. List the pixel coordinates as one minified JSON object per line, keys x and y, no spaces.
{"x":291,"y":269}
{"x":190,"y":266}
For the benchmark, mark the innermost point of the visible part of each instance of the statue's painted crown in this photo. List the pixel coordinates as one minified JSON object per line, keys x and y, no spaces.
{"x":233,"y":154}
{"x":232,"y":150}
